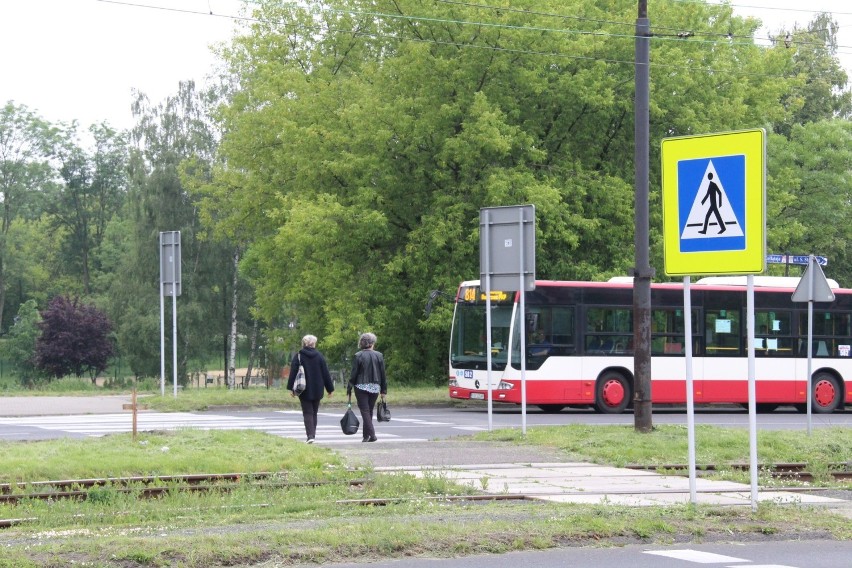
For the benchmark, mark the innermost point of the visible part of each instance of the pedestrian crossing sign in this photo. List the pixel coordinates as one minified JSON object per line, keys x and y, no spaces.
{"x":714,"y":207}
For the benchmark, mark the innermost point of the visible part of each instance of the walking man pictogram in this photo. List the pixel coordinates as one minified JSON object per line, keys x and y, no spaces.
{"x":715,"y":196}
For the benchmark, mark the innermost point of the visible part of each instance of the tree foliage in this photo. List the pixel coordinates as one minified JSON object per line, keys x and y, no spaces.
{"x":364,"y":137}
{"x":359,"y":142}
{"x":26,"y":144}
{"x":21,"y":344}
{"x":75,"y":339}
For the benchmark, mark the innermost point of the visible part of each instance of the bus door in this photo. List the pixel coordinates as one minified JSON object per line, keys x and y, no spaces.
{"x":552,"y":367}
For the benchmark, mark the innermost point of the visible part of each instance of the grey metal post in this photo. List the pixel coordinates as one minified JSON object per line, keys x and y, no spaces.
{"x":642,"y":272}
{"x":174,"y":341}
{"x":523,"y":308}
{"x":752,"y":390}
{"x":488,"y":317}
{"x":690,"y":397}
{"x":162,"y":334}
{"x":809,"y":399}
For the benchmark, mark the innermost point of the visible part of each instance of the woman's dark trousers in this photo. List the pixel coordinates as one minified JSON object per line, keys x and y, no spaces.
{"x":310,"y":408}
{"x":366,"y":404}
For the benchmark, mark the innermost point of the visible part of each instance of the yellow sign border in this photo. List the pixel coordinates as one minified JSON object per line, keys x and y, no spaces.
{"x":751,"y":260}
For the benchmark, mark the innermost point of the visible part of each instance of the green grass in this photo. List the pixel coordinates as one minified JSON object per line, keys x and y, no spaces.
{"x":285,"y":525}
{"x":668,"y":444}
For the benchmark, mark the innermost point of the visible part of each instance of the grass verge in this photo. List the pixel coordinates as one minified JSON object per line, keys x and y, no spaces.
{"x":298,"y":523}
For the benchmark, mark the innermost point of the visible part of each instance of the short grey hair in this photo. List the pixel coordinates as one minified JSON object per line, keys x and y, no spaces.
{"x":309,"y":341}
{"x":367,"y":340}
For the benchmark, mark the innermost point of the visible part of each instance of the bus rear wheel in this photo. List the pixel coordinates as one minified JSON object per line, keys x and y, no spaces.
{"x":612,"y":393}
{"x":826,"y":393}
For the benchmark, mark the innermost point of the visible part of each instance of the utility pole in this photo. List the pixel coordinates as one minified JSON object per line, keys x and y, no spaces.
{"x":642,"y":271}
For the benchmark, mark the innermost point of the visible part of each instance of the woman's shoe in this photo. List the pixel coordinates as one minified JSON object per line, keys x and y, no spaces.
{"x":309,"y":441}
{"x":373,"y":439}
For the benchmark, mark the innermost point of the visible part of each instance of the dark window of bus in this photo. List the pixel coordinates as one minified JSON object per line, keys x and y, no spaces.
{"x":609,"y":331}
{"x":722,"y":332}
{"x":550,"y":331}
{"x":773,"y":333}
{"x":832,"y":333}
{"x":668,"y":331}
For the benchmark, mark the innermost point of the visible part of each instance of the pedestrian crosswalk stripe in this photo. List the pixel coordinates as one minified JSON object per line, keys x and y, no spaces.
{"x":697,"y":556}
{"x":97,"y":425}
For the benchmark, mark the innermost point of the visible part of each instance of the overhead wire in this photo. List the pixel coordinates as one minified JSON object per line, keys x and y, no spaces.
{"x":681,"y":36}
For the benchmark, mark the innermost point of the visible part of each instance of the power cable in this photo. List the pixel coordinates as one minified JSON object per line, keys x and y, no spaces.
{"x":673,"y":37}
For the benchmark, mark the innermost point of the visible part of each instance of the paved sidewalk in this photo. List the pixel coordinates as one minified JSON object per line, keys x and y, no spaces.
{"x":541,"y":474}
{"x":60,"y":405}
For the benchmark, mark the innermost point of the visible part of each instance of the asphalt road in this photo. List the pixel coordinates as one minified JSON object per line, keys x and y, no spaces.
{"x":769,"y":554}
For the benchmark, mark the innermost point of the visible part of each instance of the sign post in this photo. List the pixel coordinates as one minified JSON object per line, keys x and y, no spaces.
{"x":714,"y":223}
{"x":813,"y":287}
{"x":170,"y":285}
{"x":507,"y":261}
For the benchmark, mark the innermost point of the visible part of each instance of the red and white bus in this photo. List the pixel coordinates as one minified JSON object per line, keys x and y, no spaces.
{"x":580,"y":345}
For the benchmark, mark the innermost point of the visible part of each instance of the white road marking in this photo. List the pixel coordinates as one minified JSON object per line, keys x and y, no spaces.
{"x":697,"y":556}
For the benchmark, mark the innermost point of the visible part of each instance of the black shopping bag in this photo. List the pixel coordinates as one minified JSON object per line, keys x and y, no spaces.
{"x":382,"y":411}
{"x":349,"y":423}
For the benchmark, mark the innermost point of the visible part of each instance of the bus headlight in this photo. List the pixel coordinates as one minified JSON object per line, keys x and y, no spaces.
{"x":505,"y":386}
{"x":453,"y":382}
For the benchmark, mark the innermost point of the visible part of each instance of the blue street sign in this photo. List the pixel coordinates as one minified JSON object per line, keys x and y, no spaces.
{"x":794,"y":259}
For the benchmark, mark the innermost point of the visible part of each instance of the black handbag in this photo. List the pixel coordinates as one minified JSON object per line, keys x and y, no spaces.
{"x":382,"y":411}
{"x":349,"y":423}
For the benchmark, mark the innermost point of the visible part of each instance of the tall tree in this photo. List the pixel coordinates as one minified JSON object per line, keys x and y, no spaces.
{"x":92,"y":192}
{"x":365,"y":137}
{"x":167,"y":133}
{"x":21,"y":345}
{"x":26,"y":143}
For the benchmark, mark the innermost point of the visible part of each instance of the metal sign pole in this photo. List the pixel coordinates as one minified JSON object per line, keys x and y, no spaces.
{"x":522,"y":292}
{"x":752,"y":390}
{"x":174,"y":342}
{"x":487,"y":228}
{"x":162,"y":338}
{"x":170,"y":284}
{"x":690,"y":403}
{"x":810,"y":340}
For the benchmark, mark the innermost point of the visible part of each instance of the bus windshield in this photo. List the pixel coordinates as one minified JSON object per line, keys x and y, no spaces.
{"x":468,"y":344}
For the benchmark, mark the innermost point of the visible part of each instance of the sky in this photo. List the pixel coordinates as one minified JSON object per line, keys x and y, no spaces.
{"x":80,"y":59}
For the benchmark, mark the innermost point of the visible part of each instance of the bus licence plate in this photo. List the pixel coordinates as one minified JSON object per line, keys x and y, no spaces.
{"x":477,"y":396}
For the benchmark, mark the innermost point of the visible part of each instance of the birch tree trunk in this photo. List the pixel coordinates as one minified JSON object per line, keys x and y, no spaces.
{"x":232,"y":355}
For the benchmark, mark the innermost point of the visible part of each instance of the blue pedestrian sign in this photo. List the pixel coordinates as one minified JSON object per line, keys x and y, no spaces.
{"x":711,"y":198}
{"x":713,"y":204}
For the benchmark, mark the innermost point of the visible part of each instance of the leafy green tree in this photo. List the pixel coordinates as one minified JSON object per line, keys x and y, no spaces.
{"x":26,"y":143}
{"x":92,"y":191}
{"x":821,"y":91}
{"x":165,"y":134}
{"x":364,"y":137}
{"x":21,"y":344}
{"x":810,"y":189}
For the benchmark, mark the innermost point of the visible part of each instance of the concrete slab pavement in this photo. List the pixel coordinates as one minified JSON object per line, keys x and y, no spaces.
{"x":595,"y":484}
{"x":60,"y":405}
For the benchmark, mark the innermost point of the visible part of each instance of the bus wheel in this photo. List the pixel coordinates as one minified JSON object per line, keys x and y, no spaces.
{"x":826,"y":393}
{"x":612,"y":393}
{"x":551,"y":408}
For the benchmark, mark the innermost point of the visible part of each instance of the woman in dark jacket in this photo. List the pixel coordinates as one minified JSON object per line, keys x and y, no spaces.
{"x":368,"y":379}
{"x":318,"y":379}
